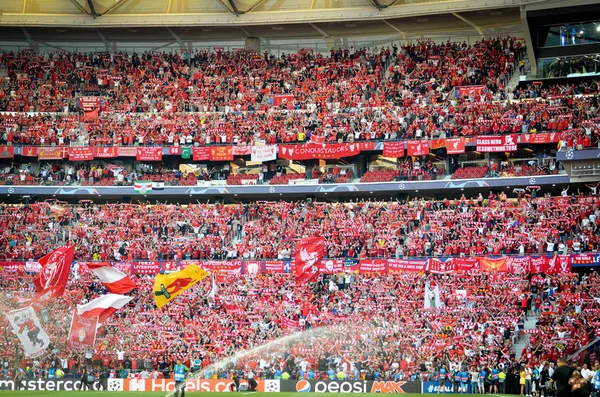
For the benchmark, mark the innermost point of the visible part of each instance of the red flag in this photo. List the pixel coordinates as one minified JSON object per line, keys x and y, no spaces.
{"x":309,"y":252}
{"x":103,"y":306}
{"x":82,"y":334}
{"x":493,"y":265}
{"x":52,"y":278}
{"x":115,"y":281}
{"x":455,"y":146}
{"x":418,"y":148}
{"x":393,"y":149}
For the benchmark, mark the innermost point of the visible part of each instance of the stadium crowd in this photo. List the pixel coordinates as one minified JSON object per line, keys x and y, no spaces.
{"x":172,"y":99}
{"x":464,"y":226}
{"x":353,"y":327}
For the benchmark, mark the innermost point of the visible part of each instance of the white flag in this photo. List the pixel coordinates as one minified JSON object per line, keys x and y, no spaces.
{"x":27,"y":326}
{"x":213,"y":291}
{"x":263,"y":153}
{"x":432,"y":297}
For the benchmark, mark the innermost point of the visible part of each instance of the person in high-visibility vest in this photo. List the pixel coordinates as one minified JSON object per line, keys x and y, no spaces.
{"x":180,"y":371}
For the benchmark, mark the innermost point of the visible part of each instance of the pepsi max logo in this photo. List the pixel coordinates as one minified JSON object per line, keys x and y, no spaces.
{"x":303,"y":386}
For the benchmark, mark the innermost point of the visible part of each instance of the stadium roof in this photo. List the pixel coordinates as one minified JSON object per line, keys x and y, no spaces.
{"x":201,"y":20}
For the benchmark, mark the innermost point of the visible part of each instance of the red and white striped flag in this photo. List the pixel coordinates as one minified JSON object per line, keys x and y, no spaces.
{"x":103,"y":306}
{"x":114,"y":280}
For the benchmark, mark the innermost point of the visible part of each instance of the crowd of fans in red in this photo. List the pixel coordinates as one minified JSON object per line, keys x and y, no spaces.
{"x":169,"y":99}
{"x":377,"y":322}
{"x":269,"y":230}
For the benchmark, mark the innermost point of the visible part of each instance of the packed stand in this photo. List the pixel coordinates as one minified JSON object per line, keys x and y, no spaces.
{"x":380,"y":330}
{"x":268,"y":230}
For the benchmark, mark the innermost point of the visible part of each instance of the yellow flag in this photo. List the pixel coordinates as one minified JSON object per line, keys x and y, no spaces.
{"x":168,"y":286}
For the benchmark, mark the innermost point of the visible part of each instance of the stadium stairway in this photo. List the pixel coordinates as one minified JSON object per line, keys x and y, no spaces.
{"x":516,"y":77}
{"x":530,"y":323}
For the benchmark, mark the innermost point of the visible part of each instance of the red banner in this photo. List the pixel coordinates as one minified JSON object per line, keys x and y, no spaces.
{"x":82,"y":334}
{"x":81,"y":153}
{"x":105,"y":152}
{"x":149,"y":154}
{"x":274,"y":267}
{"x":221,"y":153}
{"x":50,"y":153}
{"x":281,"y":99}
{"x":175,"y":150}
{"x":550,"y":137}
{"x":518,"y":264}
{"x":537,"y":264}
{"x":583,"y":259}
{"x":493,"y":265}
{"x":504,"y":143}
{"x":29,"y":151}
{"x":417,"y":148}
{"x":331,"y":152}
{"x":127,"y":151}
{"x":309,"y":252}
{"x":88,"y":103}
{"x":467,"y":265}
{"x":439,"y":266}
{"x":393,"y":149}
{"x":7,"y":152}
{"x":437,"y":143}
{"x":558,"y":264}
{"x":407,"y":265}
{"x":146,"y":267}
{"x":90,"y":115}
{"x":200,"y":153}
{"x":455,"y":146}
{"x":372,"y":266}
{"x":12,"y":267}
{"x":242,"y":150}
{"x":226,"y":267}
{"x":332,"y":266}
{"x":253,"y":268}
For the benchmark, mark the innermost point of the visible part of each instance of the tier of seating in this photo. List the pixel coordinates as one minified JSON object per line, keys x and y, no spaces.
{"x":350,"y":318}
{"x":363,"y":229}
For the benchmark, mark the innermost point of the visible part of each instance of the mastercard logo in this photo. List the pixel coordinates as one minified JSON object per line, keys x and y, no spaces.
{"x":303,"y":386}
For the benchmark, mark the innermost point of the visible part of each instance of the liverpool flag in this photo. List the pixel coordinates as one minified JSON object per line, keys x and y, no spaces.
{"x":82,"y":334}
{"x":52,"y":278}
{"x":28,"y":329}
{"x":168,"y":286}
{"x":309,"y":252}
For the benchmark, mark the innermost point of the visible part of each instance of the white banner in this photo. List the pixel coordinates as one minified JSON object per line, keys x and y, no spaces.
{"x":27,"y":326}
{"x":263,"y":153}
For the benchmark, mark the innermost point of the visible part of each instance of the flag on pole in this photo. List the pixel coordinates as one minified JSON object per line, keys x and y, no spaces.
{"x":168,"y":286}
{"x":54,"y":274}
{"x":142,"y":186}
{"x":82,"y":334}
{"x":103,"y":306}
{"x":213,"y":290}
{"x":309,"y":252}
{"x":114,"y":280}
{"x":432,"y":296}
{"x":27,"y":326}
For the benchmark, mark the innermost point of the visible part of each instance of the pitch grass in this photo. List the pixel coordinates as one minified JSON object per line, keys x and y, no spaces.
{"x":24,"y":393}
